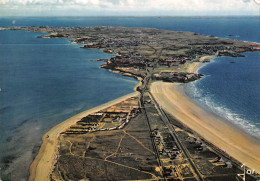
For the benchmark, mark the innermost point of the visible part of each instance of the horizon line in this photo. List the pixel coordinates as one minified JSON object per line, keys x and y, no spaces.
{"x":132,"y":16}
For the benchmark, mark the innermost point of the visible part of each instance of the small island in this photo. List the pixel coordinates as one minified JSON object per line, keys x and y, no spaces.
{"x":155,"y":133}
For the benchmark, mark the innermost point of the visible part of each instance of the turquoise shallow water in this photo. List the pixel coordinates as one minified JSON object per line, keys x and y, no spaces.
{"x":45,"y":81}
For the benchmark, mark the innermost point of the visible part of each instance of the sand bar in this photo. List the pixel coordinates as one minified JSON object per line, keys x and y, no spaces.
{"x":42,"y":165}
{"x":223,"y":134}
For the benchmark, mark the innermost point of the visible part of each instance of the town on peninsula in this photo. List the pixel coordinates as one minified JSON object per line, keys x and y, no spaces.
{"x":156,"y":132}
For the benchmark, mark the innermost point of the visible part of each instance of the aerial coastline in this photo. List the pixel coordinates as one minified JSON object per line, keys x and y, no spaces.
{"x":42,"y":165}
{"x":150,"y":64}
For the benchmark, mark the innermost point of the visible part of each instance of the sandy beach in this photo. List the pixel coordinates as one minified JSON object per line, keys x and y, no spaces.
{"x":194,"y":66}
{"x":215,"y":129}
{"x":42,"y":165}
{"x":223,"y":134}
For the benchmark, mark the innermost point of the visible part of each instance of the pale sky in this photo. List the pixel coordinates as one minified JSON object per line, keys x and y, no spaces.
{"x":128,"y":7}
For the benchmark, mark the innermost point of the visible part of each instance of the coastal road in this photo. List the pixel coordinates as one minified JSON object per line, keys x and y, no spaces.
{"x":166,"y":122}
{"x":153,"y":142}
{"x":174,"y":135}
{"x":216,"y":130}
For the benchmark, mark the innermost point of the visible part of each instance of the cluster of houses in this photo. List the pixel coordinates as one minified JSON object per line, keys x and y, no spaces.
{"x":135,"y":60}
{"x":111,"y":118}
{"x":207,"y":50}
{"x":165,"y":144}
{"x":229,"y":53}
{"x":183,"y":77}
{"x":87,"y":124}
{"x":132,"y":60}
{"x":199,"y":145}
{"x":122,"y":118}
{"x":99,"y":42}
{"x":138,"y":61}
{"x":169,"y":150}
{"x":173,"y":62}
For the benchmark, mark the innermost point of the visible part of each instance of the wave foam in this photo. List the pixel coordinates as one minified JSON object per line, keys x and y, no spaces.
{"x":207,"y":101}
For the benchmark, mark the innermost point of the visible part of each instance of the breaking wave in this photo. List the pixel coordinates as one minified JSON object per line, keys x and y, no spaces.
{"x":206,"y":100}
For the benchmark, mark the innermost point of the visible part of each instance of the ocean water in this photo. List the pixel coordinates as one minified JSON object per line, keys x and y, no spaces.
{"x":45,"y":81}
{"x":231,"y":88}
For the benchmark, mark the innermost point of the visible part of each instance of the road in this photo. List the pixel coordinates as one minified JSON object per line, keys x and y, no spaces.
{"x":166,"y":121}
{"x":154,"y":145}
{"x":174,"y":135}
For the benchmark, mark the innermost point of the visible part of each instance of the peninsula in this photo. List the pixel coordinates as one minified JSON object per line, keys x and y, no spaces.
{"x":155,"y":133}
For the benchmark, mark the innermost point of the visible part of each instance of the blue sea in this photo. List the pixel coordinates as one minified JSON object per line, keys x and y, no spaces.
{"x":45,"y":81}
{"x":231,"y":89}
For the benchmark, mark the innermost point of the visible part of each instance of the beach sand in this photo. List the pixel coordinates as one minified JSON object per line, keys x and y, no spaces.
{"x":194,"y":66}
{"x":216,"y":130}
{"x":42,"y":165}
{"x":222,"y":133}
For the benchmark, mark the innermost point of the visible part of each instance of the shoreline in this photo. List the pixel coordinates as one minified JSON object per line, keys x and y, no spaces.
{"x":42,"y":165}
{"x":195,"y":66}
{"x":220,"y":132}
{"x":183,"y":89}
{"x":47,"y":154}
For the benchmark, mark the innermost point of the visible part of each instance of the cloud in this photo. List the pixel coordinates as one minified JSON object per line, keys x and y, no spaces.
{"x":126,"y":7}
